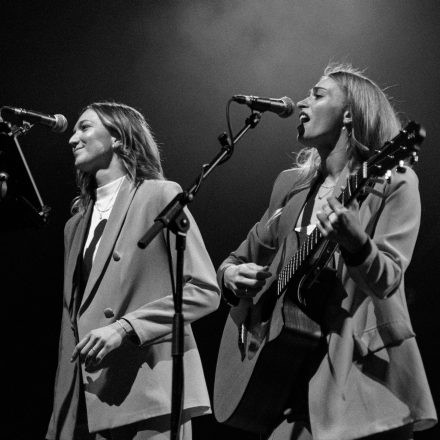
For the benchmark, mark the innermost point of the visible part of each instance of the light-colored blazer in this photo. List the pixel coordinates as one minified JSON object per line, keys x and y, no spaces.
{"x":372,"y":378}
{"x":133,"y":382}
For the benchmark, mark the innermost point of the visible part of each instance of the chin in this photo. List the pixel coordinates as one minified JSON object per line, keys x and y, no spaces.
{"x":84,"y":167}
{"x":303,"y":138}
{"x":304,"y":141}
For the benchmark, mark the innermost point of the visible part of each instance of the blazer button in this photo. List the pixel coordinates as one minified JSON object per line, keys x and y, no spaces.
{"x":109,"y":313}
{"x":116,"y":256}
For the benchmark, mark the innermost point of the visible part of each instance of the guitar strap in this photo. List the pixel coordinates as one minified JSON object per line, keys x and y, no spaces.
{"x":308,"y":208}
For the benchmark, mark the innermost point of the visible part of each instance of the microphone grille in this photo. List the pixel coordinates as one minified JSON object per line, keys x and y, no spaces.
{"x":60,"y":124}
{"x":290,"y":107}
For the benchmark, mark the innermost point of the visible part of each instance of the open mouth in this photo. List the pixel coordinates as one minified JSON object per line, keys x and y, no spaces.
{"x":303,"y":118}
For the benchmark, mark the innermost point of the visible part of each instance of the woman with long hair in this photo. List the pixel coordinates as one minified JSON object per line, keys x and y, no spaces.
{"x":366,"y":379}
{"x":114,"y":370}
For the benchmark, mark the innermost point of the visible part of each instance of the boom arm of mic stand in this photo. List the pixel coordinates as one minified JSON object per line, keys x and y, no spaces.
{"x":175,"y":219}
{"x":164,"y":219}
{"x":14,"y":132}
{"x":172,"y":210}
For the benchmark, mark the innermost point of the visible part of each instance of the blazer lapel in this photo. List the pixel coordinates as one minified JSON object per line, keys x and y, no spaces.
{"x":291,"y":213}
{"x":77,"y":244}
{"x":109,"y":237}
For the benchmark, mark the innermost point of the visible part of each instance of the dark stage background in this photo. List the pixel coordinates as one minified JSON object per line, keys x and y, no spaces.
{"x":179,"y":62}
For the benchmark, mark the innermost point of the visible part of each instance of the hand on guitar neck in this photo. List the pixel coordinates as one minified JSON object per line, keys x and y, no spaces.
{"x":246,"y":279}
{"x":341,"y":225}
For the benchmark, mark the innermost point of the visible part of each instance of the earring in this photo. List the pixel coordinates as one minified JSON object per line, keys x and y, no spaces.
{"x":347,"y":128}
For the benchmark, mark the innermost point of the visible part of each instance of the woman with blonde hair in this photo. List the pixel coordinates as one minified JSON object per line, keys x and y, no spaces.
{"x":114,"y":367}
{"x":368,"y":380}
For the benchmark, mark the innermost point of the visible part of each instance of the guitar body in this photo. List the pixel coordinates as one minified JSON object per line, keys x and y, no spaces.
{"x":267,"y":341}
{"x":250,"y":393}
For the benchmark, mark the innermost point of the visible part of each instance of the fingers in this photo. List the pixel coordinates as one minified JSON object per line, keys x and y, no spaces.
{"x":86,"y":349}
{"x":323,"y":223}
{"x":251,"y":277}
{"x":332,"y":216}
{"x":334,"y":204}
{"x":90,"y":356}
{"x":253,"y":271}
{"x":336,"y":207}
{"x":328,"y":221}
{"x":97,"y":344}
{"x":96,"y":354}
{"x":342,"y":225}
{"x":354,"y":205}
{"x":246,"y":279}
{"x":81,"y":344}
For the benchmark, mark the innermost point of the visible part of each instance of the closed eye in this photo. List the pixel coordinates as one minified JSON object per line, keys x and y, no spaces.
{"x":318,"y":92}
{"x":84,"y":127}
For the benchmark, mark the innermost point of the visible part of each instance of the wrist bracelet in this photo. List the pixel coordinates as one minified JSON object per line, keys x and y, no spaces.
{"x":121,"y":325}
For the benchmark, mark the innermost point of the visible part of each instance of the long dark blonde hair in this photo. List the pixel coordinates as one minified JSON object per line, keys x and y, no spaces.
{"x":374,"y":122}
{"x":138,"y":151}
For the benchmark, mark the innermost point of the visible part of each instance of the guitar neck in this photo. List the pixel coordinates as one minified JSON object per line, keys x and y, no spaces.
{"x":402,"y":147}
{"x":354,"y":185}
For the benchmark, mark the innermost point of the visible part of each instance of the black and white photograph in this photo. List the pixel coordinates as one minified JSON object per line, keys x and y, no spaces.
{"x":219,"y":219}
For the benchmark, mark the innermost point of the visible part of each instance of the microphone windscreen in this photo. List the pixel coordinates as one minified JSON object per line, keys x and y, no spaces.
{"x":60,"y":124}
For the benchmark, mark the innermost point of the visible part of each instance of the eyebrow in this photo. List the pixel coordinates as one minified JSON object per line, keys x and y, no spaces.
{"x":79,"y":123}
{"x":315,"y":89}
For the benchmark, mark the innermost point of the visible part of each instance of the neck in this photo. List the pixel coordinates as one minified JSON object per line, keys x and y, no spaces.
{"x":334,"y":160}
{"x":107,"y":175}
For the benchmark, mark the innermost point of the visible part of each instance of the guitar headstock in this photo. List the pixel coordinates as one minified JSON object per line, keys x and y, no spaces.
{"x":403,"y":147}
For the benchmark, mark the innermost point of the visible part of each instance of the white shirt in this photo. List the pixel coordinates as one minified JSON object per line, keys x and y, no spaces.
{"x":105,"y":199}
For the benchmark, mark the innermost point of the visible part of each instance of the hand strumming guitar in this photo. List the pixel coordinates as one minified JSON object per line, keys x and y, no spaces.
{"x":244,"y":280}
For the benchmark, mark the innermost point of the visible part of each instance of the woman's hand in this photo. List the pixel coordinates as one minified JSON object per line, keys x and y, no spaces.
{"x":342,"y":225}
{"x":244,"y":280}
{"x":98,"y":343}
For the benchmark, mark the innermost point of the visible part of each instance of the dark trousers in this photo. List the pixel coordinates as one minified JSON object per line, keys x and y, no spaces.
{"x":298,"y":431}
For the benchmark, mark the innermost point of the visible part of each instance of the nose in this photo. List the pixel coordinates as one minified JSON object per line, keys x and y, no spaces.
{"x":74,"y":140}
{"x":303,"y":103}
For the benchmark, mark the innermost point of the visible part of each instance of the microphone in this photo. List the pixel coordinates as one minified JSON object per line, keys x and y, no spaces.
{"x":283,"y":107}
{"x":58,"y":123}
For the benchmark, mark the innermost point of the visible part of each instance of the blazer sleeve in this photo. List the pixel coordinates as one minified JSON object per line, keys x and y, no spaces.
{"x":395,"y":233}
{"x":200,"y":290}
{"x":261,"y":243}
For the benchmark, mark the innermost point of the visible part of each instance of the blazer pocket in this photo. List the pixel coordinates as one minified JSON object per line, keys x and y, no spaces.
{"x":385,"y":335}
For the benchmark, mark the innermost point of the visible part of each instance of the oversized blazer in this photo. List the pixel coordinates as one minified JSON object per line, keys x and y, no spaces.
{"x":372,"y":377}
{"x":133,"y":382}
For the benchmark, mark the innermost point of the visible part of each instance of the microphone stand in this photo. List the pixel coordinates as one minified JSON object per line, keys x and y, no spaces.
{"x":14,"y":131}
{"x":174,"y":218}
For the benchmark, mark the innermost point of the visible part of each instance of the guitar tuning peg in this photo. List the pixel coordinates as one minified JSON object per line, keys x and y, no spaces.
{"x":401,"y":167}
{"x":388,"y":176}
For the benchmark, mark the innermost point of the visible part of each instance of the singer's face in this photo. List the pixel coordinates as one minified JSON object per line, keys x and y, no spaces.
{"x":321,"y":115}
{"x":92,"y":144}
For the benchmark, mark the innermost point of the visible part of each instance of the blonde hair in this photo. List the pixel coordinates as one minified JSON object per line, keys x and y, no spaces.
{"x":374,"y":121}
